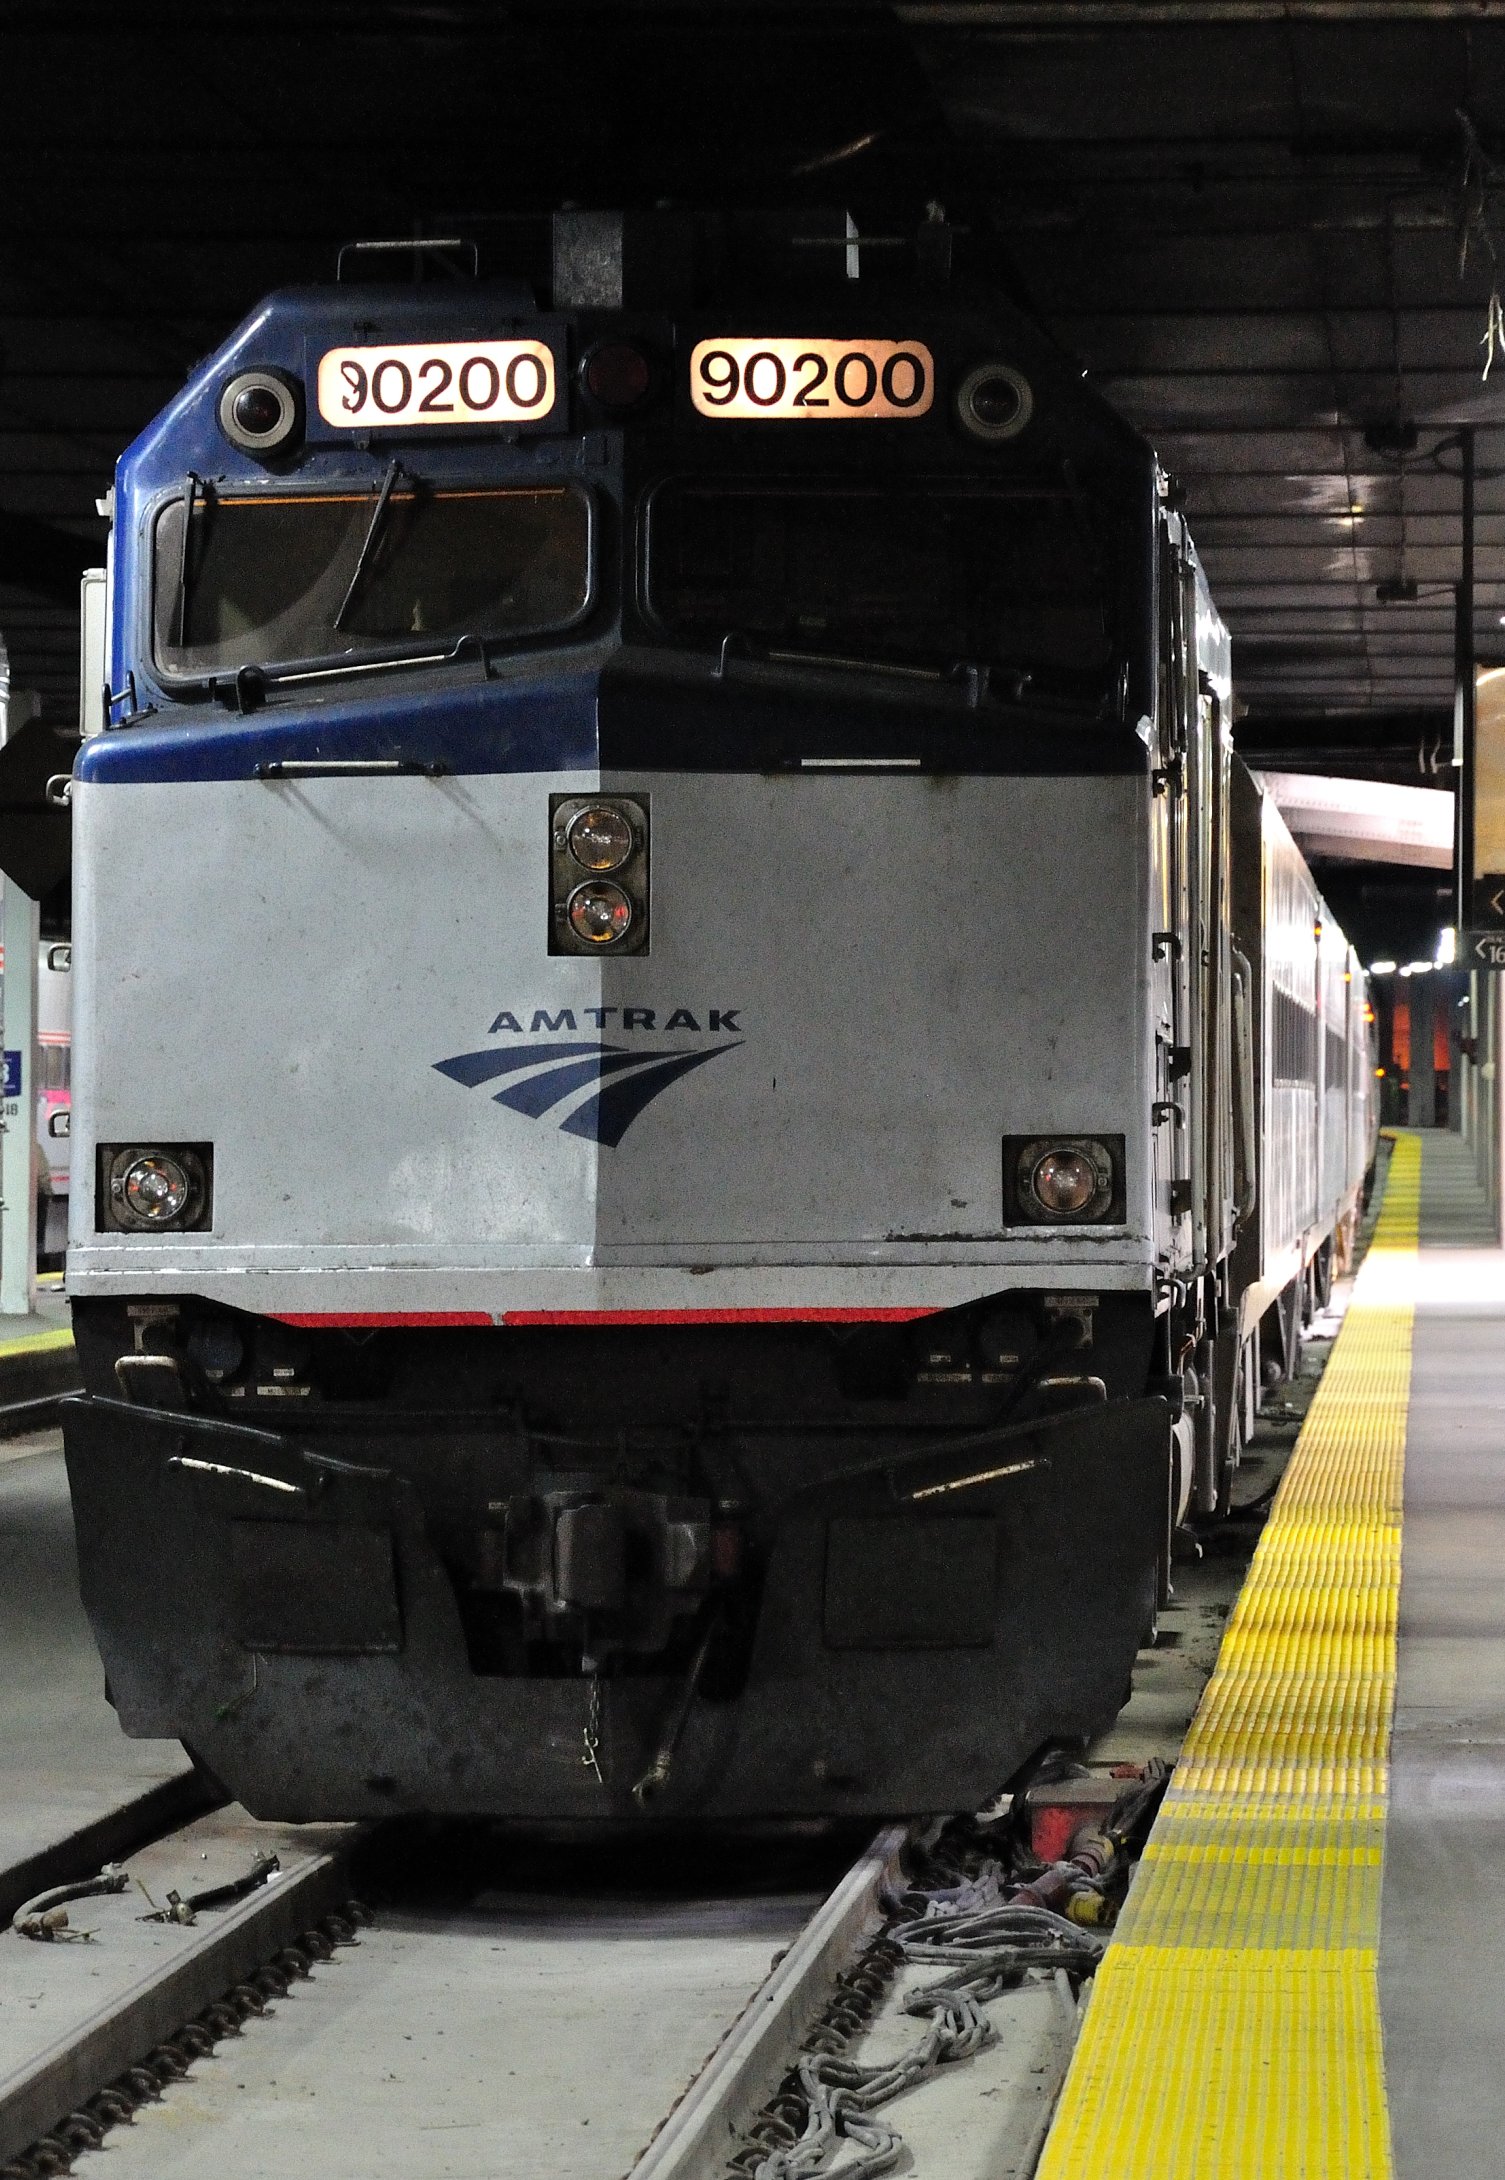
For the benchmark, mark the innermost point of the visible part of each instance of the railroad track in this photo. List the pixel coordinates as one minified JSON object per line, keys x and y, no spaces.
{"x":638,"y":2025}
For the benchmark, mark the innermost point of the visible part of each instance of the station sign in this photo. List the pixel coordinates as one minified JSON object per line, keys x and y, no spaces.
{"x":1484,"y":950}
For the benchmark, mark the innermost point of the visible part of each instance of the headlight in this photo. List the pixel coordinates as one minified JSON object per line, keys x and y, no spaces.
{"x":154,"y":1188}
{"x":1054,"y":1179}
{"x":259,"y":412}
{"x":1064,"y":1182}
{"x":599,"y":913}
{"x":600,"y":838}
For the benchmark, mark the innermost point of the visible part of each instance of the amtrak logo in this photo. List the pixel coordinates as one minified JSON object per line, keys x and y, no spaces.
{"x":619,"y":1081}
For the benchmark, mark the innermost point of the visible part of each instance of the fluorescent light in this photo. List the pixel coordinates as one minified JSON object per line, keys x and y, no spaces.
{"x":1382,"y":968}
{"x":1418,"y":968}
{"x":1447,"y":946}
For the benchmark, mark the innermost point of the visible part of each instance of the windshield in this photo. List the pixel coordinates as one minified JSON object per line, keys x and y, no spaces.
{"x":923,"y":575}
{"x":272,"y":578}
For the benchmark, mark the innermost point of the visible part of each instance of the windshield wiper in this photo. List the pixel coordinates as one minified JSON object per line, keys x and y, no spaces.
{"x":973,"y":677}
{"x":369,"y":541}
{"x":737,"y":644}
{"x":246,"y":690}
{"x":192,"y":488}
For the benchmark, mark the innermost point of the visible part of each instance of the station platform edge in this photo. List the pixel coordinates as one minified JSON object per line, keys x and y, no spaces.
{"x":1235,"y":2031}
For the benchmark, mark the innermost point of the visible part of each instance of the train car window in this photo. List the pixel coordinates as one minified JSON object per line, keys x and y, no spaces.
{"x":926,"y":575}
{"x":281,"y":577}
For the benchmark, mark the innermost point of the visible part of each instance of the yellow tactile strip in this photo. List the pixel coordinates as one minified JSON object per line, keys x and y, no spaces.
{"x":1234,"y":2029}
{"x":36,"y":1343}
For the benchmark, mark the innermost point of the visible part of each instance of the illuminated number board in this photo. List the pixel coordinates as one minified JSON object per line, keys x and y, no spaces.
{"x":447,"y":382}
{"x":787,"y":378}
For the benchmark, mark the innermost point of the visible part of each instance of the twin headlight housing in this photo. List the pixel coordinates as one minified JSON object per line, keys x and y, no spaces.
{"x":598,"y":870}
{"x":1063,"y":1180}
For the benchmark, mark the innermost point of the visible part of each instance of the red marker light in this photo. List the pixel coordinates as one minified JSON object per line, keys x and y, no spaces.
{"x":618,"y":376}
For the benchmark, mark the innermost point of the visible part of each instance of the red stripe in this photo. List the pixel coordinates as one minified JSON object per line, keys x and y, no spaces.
{"x":712,"y":1317}
{"x":353,"y":1319}
{"x":356,"y":1319}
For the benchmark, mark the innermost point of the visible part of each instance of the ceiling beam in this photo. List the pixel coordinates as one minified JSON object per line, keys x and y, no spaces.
{"x":1098,"y":14}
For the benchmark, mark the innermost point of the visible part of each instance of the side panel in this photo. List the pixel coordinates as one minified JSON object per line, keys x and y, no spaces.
{"x":1246,"y":826}
{"x":1292,"y":1053}
{"x":1333,"y":972}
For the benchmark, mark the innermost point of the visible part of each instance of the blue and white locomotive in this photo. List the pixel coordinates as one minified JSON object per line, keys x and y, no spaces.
{"x":671,"y":1082}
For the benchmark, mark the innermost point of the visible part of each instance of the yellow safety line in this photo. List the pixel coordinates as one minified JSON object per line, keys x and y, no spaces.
{"x":1234,"y":2028}
{"x":32,"y":1343}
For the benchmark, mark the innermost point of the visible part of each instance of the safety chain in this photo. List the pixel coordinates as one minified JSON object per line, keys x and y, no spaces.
{"x":855,"y":1997}
{"x":967,"y":1913}
{"x":838,"y":2099}
{"x":167,"y":2062}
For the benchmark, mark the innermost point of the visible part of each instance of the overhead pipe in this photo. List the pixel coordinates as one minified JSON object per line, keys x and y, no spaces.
{"x":1100,"y":14}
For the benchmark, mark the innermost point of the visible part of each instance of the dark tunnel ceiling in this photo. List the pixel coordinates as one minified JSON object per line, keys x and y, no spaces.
{"x":1265,"y":230}
{"x":1246,"y":220}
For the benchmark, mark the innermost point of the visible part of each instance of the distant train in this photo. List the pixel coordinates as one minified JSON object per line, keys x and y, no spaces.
{"x":704,"y":1091}
{"x":52,"y":1090}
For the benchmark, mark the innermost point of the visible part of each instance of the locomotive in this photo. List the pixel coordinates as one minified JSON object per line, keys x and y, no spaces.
{"x":703,"y":1090}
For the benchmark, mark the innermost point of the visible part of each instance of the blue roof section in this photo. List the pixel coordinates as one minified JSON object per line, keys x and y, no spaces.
{"x":539,"y":726}
{"x":288,"y":332}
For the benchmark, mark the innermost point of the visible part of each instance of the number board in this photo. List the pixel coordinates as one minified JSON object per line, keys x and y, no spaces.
{"x":786,"y":378}
{"x":447,"y":382}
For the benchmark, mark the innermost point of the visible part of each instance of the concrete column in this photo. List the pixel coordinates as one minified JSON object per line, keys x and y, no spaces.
{"x":1423,"y":1078}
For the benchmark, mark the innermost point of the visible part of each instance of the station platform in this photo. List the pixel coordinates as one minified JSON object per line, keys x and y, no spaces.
{"x":1309,"y":1976}
{"x":36,"y":1349}
{"x":74,"y":1791}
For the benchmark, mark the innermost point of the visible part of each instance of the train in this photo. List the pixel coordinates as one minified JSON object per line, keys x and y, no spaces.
{"x":53,"y":1101}
{"x":773,"y":1390}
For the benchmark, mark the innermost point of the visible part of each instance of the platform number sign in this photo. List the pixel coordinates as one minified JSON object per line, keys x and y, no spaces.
{"x":12,"y":1074}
